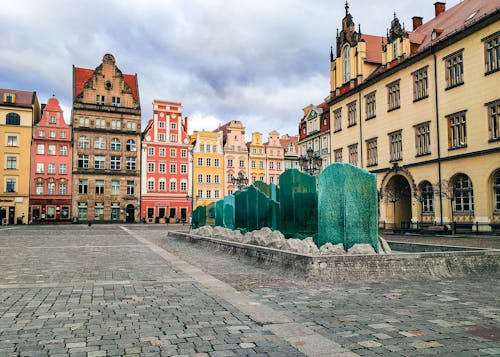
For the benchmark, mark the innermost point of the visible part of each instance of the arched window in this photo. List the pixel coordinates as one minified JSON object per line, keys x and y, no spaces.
{"x":427,"y":197}
{"x":131,"y":146}
{"x":173,"y":185}
{"x":496,"y":192}
{"x":100,"y":143}
{"x":463,"y":194}
{"x":13,"y":119}
{"x":116,"y":144}
{"x":83,"y":142}
{"x":347,"y":65}
{"x":162,"y":186}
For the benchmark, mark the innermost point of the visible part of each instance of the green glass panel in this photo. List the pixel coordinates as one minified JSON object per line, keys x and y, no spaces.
{"x":219,"y":213}
{"x":199,"y":217}
{"x":210,"y":214}
{"x":228,"y":212}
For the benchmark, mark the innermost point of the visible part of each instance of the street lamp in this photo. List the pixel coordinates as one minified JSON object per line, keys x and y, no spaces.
{"x":310,"y":163}
{"x":240,"y":181}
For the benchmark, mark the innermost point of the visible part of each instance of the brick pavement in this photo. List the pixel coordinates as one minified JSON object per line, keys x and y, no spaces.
{"x":107,"y":290}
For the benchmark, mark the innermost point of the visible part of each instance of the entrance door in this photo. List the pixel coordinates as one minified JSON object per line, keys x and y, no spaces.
{"x":12,"y":214}
{"x":130,"y":212}
{"x":399,"y":197}
{"x":183,"y":214}
{"x":36,"y":214}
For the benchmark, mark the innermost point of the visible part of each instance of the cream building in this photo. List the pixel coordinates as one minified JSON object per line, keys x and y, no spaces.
{"x":420,"y":109}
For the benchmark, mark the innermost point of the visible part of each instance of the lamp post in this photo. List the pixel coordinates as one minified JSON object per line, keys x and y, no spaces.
{"x":310,"y":163}
{"x":240,"y":181}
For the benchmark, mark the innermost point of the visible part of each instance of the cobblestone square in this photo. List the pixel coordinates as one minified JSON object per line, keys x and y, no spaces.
{"x":128,"y":290}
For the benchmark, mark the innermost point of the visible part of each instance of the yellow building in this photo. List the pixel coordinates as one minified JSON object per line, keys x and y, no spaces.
{"x":257,"y":159}
{"x":208,"y":168}
{"x":19,"y":111}
{"x":420,"y":109}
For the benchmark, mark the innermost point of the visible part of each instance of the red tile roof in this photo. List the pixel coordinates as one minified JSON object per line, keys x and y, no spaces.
{"x":23,"y":98}
{"x":374,"y":47}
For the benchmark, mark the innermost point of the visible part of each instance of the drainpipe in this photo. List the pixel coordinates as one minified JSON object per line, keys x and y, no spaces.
{"x":360,"y":131}
{"x":438,"y":139}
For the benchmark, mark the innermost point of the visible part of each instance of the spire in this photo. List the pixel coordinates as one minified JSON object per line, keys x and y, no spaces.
{"x":346,"y":7}
{"x":331,"y":53}
{"x":359,"y":30}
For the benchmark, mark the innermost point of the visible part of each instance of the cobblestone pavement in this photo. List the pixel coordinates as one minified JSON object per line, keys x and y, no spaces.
{"x":128,"y":290}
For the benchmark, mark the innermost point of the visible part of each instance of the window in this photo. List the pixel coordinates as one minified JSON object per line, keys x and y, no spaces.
{"x":253,"y":164}
{"x":130,"y":163}
{"x":496,"y":192}
{"x":161,"y":124}
{"x":420,"y":84}
{"x":353,"y":154}
{"x":100,"y":143}
{"x":200,"y":178}
{"x":115,"y":101}
{"x":9,"y":98}
{"x":395,"y":146}
{"x":83,"y":142}
{"x":116,"y":144}
{"x":454,"y":69}
{"x":216,"y":194}
{"x":151,"y":184}
{"x":162,"y":152}
{"x":52,"y":150}
{"x":261,"y":164}
{"x":183,"y":169}
{"x":216,"y":162}
{"x":162,"y":168}
{"x":372,"y":153}
{"x":83,"y":186}
{"x":463,"y":194}
{"x":99,"y":162}
{"x":161,"y":137}
{"x":173,"y":185}
{"x":494,"y":120}
{"x":52,"y":134}
{"x":338,"y":155}
{"x":115,"y":187}
{"x":100,"y":123}
{"x":84,"y":121}
{"x":393,"y":95}
{"x":99,"y":187}
{"x":173,"y":126}
{"x":131,"y":126}
{"x":83,"y":161}
{"x":200,"y":161}
{"x":11,"y":162}
{"x":183,"y":153}
{"x":183,"y":186}
{"x":51,"y":188}
{"x":151,"y":167}
{"x":173,"y":168}
{"x":99,"y":99}
{"x":161,"y":184}
{"x":52,"y":119}
{"x":370,"y":105}
{"x":11,"y":140}
{"x":492,"y":53}
{"x":209,"y":194}
{"x":116,"y":124}
{"x":40,"y":149}
{"x":337,"y":119}
{"x":130,"y":188}
{"x":151,"y":151}
{"x":62,"y":188}
{"x":40,"y":167}
{"x":427,"y":197}
{"x":229,"y":163}
{"x":173,"y":138}
{"x":216,"y":179}
{"x":278,"y":165}
{"x":351,"y":113}
{"x":209,"y":162}
{"x":209,"y":179}
{"x":457,"y":134}
{"x":347,"y":71}
{"x":242,"y":164}
{"x":63,"y":169}
{"x":271,"y":165}
{"x":200,"y":194}
{"x":131,"y":145}
{"x":13,"y":119}
{"x":423,"y":139}
{"x":10,"y":185}
{"x":214,"y":148}
{"x":51,"y":168}
{"x":63,"y":150}
{"x":115,"y":163}
{"x":62,"y":134}
{"x":39,"y":188}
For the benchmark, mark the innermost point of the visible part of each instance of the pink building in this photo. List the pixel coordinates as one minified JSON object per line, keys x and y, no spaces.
{"x":275,"y":155}
{"x":50,"y":188}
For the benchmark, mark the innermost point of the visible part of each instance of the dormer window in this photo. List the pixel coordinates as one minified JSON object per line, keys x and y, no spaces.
{"x":52,"y":119}
{"x":9,"y":98}
{"x":347,"y":71}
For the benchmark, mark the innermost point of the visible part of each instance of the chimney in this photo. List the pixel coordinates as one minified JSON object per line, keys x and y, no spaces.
{"x":439,"y":8}
{"x":417,"y":22}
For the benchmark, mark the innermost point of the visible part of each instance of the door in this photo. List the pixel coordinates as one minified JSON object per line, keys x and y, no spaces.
{"x":130,"y":214}
{"x":12,"y":214}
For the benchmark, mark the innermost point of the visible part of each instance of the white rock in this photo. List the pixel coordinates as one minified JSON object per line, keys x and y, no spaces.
{"x":298,"y":246}
{"x":205,"y":231}
{"x":330,"y":249}
{"x":311,"y":246}
{"x":383,"y":246}
{"x":275,"y":240}
{"x":361,"y":249}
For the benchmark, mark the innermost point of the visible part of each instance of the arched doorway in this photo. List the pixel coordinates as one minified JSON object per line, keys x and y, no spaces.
{"x":130,"y":214}
{"x":398,"y":196}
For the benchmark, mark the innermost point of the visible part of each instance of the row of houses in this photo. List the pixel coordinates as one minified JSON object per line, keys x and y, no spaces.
{"x":101,"y":167}
{"x":420,"y":109}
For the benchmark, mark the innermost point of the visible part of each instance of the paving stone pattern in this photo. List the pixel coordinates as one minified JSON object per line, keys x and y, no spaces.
{"x":107,"y":290}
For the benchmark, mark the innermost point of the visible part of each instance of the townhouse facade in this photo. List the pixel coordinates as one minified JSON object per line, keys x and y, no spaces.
{"x":19,"y":111}
{"x":289,"y":143}
{"x":51,"y":167}
{"x":166,"y":171}
{"x":420,"y":110}
{"x":275,"y":158}
{"x":106,"y":120}
{"x":256,"y":158}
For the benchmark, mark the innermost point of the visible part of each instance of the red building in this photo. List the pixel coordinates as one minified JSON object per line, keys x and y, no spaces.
{"x":166,"y":172}
{"x":50,"y":189}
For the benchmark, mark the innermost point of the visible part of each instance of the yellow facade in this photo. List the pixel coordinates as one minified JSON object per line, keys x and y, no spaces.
{"x":432,"y":142}
{"x":257,"y":159}
{"x":208,"y":167}
{"x":17,"y":116}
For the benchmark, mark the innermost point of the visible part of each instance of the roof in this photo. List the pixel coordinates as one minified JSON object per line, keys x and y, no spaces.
{"x":82,"y":75}
{"x":374,"y":47}
{"x":23,"y":98}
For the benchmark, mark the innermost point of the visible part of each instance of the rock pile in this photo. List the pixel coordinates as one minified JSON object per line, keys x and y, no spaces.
{"x":265,"y":237}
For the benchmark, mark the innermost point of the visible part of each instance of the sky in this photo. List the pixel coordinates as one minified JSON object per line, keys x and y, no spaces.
{"x":257,"y":61}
